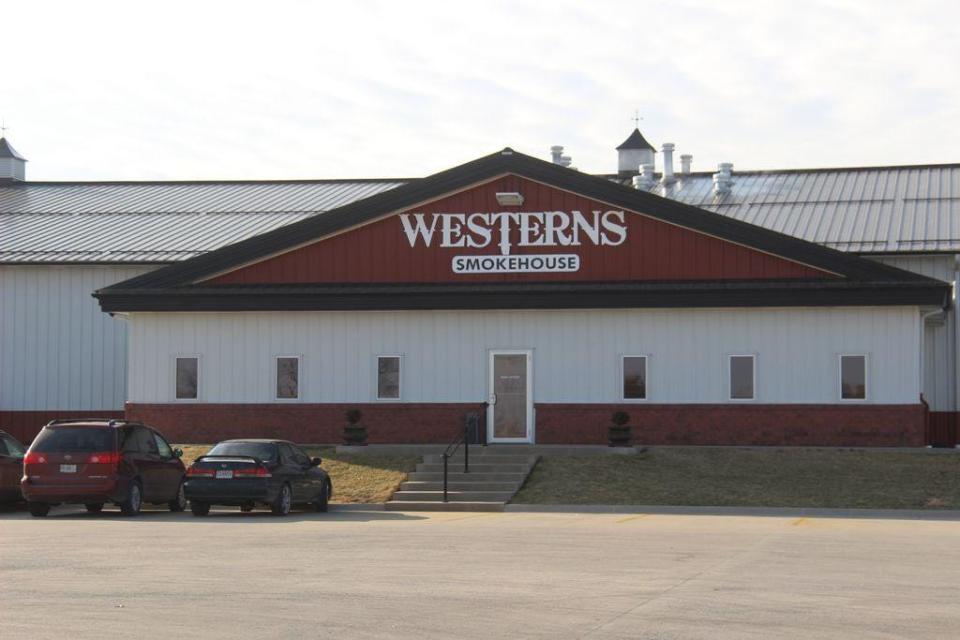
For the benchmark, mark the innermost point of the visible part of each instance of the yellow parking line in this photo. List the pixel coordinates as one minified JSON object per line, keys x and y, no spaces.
{"x":629,"y":518}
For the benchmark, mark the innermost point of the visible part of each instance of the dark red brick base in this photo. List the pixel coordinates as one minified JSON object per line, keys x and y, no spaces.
{"x":722,"y":424}
{"x":944,"y":429}
{"x":702,"y":424}
{"x":25,"y":425}
{"x":311,"y":423}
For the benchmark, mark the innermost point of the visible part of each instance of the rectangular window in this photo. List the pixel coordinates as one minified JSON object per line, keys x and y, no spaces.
{"x":634,"y":377}
{"x":188,"y":378}
{"x":388,"y":377}
{"x":741,"y":377}
{"x":853,"y":377}
{"x":288,"y":377}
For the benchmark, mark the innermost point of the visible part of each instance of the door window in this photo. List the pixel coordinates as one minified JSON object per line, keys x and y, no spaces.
{"x":742,"y":377}
{"x":510,"y":388}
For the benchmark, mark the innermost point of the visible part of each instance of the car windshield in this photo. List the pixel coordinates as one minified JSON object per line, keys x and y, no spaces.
{"x":263,"y":451}
{"x":68,"y":439}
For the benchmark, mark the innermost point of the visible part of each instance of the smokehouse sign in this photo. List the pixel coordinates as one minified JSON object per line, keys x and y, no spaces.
{"x":525,"y":229}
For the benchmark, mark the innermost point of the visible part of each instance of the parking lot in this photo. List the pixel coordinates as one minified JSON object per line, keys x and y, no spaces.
{"x":507,"y":575}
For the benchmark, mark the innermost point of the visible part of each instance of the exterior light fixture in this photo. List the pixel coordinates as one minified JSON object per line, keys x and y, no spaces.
{"x":509,"y":199}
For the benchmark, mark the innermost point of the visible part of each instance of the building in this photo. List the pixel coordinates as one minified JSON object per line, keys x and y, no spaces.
{"x":794,"y":307}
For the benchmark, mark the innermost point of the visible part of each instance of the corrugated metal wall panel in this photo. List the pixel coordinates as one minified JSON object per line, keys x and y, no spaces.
{"x":941,"y":355}
{"x":576,"y":353}
{"x":57,"y":349}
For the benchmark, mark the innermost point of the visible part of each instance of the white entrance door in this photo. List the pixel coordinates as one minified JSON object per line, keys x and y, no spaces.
{"x":510,"y":413}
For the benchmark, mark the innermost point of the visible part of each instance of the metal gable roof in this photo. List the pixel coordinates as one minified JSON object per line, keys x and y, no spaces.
{"x":184,"y":277}
{"x":156,"y":222}
{"x":863,"y":210}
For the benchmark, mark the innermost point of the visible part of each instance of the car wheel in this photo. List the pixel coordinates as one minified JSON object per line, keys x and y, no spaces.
{"x":179,"y":503}
{"x":94,"y":507}
{"x":38,"y":509}
{"x":131,"y":506}
{"x":281,"y":506}
{"x":322,"y":503}
{"x":199,"y":508}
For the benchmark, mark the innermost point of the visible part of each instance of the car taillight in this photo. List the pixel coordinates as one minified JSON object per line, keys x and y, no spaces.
{"x":33,"y":457}
{"x":194,"y":472}
{"x":104,"y":457}
{"x":256,"y":472}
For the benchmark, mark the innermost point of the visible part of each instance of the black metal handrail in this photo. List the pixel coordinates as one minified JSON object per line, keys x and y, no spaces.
{"x":462,"y":438}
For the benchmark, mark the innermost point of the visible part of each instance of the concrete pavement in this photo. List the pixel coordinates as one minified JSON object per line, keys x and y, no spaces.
{"x":379,"y":574}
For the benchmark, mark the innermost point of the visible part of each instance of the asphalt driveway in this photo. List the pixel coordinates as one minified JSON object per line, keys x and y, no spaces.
{"x":461,"y":575}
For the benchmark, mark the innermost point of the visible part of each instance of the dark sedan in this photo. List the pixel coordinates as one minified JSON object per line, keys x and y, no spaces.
{"x":246,"y":473}
{"x":11,"y":467}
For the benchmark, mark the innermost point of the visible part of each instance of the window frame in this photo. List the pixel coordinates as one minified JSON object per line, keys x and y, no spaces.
{"x":646,"y":377}
{"x":187,"y":356}
{"x":866,"y":376}
{"x":276,"y":377}
{"x":753,"y":372}
{"x":376,"y":377}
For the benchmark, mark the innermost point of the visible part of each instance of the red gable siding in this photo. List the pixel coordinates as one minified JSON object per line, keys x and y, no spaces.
{"x":379,"y":252}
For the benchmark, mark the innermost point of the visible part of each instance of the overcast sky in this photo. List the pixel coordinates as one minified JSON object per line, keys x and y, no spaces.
{"x":199,"y":90}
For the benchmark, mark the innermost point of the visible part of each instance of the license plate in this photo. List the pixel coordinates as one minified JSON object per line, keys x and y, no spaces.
{"x":68,"y":468}
{"x":224,"y":474}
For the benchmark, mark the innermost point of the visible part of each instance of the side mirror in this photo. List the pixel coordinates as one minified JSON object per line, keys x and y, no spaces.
{"x":315,"y":462}
{"x":178,"y":453}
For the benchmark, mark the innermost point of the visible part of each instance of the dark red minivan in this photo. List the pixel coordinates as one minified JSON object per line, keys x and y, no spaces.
{"x":93,"y":462}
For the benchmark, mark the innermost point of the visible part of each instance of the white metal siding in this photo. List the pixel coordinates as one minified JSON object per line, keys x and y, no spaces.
{"x":576,"y":353}
{"x":57,"y":349}
{"x":941,"y":355}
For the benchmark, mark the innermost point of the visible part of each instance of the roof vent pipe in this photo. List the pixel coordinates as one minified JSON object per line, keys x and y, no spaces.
{"x":668,"y":163}
{"x":556,"y":152}
{"x":685,"y":161}
{"x":646,"y":179}
{"x":723,"y":178}
{"x":565,"y":161}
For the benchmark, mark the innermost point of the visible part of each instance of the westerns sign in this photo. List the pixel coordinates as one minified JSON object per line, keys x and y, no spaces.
{"x":508,"y":230}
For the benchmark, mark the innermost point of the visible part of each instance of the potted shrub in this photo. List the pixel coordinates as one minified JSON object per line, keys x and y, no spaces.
{"x":620,"y":433}
{"x":354,"y":433}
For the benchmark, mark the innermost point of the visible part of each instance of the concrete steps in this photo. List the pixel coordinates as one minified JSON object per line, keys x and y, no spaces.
{"x":492,"y":481}
{"x":427,"y":485}
{"x":443,"y":506}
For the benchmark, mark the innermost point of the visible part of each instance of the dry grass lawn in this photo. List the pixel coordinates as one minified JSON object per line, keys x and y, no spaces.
{"x":356,"y":477}
{"x":838,"y":478}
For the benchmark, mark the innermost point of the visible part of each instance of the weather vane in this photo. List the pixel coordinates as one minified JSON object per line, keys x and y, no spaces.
{"x":636,"y":118}
{"x":3,"y":128}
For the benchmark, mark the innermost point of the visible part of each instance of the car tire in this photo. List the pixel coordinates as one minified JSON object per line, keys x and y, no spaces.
{"x":179,"y":503}
{"x":199,"y":508}
{"x":134,"y":500}
{"x":323,"y":502}
{"x":281,"y":506}
{"x":38,"y":509}
{"x":94,"y":507}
